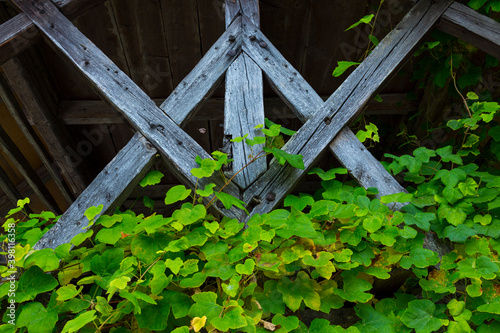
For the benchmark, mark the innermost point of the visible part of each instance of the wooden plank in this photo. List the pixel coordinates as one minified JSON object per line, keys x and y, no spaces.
{"x":109,"y":188}
{"x":181,"y":33}
{"x":84,"y":112}
{"x":244,"y":104}
{"x":190,"y":94}
{"x":474,"y":28}
{"x":8,"y":187}
{"x":111,"y":84}
{"x":39,"y":112}
{"x":19,"y":33}
{"x":22,"y":165}
{"x":17,"y":113}
{"x":345,"y":104}
{"x":139,"y":25}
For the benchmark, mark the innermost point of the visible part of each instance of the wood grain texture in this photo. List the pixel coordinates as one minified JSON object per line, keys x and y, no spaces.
{"x":347,"y":102}
{"x":19,"y":33}
{"x":197,"y":86}
{"x":304,"y":101}
{"x":244,"y":104}
{"x":40,"y":113}
{"x":474,"y":28}
{"x":9,"y":188}
{"x":84,"y":112}
{"x":17,"y":113}
{"x":22,"y":165}
{"x":178,"y":149}
{"x":109,"y":188}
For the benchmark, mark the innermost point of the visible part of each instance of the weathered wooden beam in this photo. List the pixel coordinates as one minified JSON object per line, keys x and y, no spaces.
{"x":39,"y":111}
{"x":479,"y":30}
{"x":244,"y":104}
{"x":22,"y":165}
{"x":8,"y":187}
{"x":178,"y":149}
{"x":109,"y":188}
{"x":346,"y":103}
{"x":19,"y":33}
{"x":94,"y":112}
{"x":304,"y":101}
{"x":17,"y":113}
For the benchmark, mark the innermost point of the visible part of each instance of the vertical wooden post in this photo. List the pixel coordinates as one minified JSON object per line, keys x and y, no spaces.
{"x":244,"y":102}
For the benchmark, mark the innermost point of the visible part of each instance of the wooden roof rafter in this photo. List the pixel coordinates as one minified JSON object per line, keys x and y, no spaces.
{"x":324,"y":121}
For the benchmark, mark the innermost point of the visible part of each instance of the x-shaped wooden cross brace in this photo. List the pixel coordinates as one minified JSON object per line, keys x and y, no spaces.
{"x":324,"y":121}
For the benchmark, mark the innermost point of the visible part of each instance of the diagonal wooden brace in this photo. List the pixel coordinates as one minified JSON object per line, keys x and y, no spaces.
{"x":346,"y":103}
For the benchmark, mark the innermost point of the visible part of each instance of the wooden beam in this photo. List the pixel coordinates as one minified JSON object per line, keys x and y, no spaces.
{"x":109,"y":188}
{"x":345,"y":104}
{"x":39,"y":111}
{"x":244,"y":104}
{"x":22,"y":165}
{"x":304,"y":101}
{"x":476,"y":29}
{"x":19,"y":33}
{"x":178,"y":148}
{"x":17,"y":113}
{"x":93,"y":112}
{"x":8,"y":187}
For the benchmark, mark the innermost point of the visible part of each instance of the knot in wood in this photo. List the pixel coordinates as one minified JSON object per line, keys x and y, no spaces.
{"x":232,"y":38}
{"x":252,"y":37}
{"x":220,"y":205}
{"x":232,"y":53}
{"x":271,"y":196}
{"x":328,"y":120}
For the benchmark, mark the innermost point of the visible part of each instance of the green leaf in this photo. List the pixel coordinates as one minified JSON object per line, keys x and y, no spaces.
{"x":46,"y":259}
{"x":342,"y":66}
{"x":37,"y":318}
{"x":258,"y":140}
{"x":188,"y":214}
{"x":322,"y":259}
{"x":153,"y":316}
{"x":76,"y":324}
{"x":239,"y":139}
{"x":287,"y":323}
{"x":92,"y":212}
{"x":282,"y":157}
{"x":229,"y":201}
{"x":232,"y":320}
{"x":270,"y":299}
{"x":420,"y":316}
{"x":472,"y":95}
{"x":366,"y":20}
{"x":447,"y":155}
{"x":274,"y":130}
{"x":176,"y":193}
{"x":328,"y":175}
{"x":298,"y":202}
{"x":354,"y":289}
{"x":208,"y":191}
{"x":205,"y":305}
{"x":459,"y":234}
{"x":303,"y":288}
{"x":33,"y":282}
{"x":145,"y":247}
{"x":67,"y":292}
{"x":152,"y":178}
{"x":180,"y":302}
{"x":247,"y":268}
{"x":374,"y":321}
{"x":206,"y":169}
{"x":195,"y":281}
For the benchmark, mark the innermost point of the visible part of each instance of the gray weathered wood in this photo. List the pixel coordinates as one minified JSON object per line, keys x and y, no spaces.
{"x":19,"y":33}
{"x":479,"y":30}
{"x":179,"y":150}
{"x":17,"y":113}
{"x":190,"y":94}
{"x":86,"y":112}
{"x":17,"y":158}
{"x":244,"y":104}
{"x":347,"y":102}
{"x":304,"y":101}
{"x":109,"y":188}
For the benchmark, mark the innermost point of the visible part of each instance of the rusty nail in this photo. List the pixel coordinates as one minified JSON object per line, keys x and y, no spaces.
{"x":220,"y":205}
{"x":232,"y":53}
{"x":232,"y":38}
{"x":252,"y":37}
{"x":263,"y":44}
{"x":271,"y":196}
